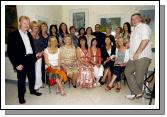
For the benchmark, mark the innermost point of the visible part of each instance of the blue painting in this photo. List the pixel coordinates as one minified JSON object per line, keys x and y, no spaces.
{"x":79,"y":20}
{"x":150,"y":14}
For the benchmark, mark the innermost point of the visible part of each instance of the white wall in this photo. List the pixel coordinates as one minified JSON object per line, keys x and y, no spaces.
{"x":49,"y":13}
{"x":95,"y":12}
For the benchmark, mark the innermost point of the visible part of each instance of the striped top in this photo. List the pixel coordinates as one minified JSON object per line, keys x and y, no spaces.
{"x":140,"y":32}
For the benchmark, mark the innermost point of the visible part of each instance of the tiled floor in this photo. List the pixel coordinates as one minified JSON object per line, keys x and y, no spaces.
{"x":95,"y":96}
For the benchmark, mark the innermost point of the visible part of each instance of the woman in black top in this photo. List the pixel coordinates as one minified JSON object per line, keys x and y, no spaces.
{"x":53,"y":31}
{"x":108,"y":53}
{"x":45,"y":37}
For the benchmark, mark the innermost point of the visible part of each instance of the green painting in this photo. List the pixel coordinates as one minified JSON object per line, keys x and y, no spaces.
{"x":112,"y":22}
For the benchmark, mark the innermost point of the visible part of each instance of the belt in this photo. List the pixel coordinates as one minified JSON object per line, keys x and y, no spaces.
{"x":27,"y":55}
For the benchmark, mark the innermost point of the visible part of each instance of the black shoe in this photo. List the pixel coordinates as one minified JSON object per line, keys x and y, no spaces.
{"x":74,"y":86}
{"x":102,"y":82}
{"x":22,"y":100}
{"x":36,"y":93}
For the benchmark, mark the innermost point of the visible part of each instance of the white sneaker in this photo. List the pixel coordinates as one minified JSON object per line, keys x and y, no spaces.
{"x":130,"y":97}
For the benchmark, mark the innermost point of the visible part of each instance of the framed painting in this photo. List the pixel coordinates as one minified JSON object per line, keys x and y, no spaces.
{"x":11,"y":20}
{"x":112,"y":22}
{"x":79,"y":18}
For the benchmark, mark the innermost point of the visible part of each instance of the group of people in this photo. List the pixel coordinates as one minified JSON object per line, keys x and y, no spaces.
{"x":88,"y":58}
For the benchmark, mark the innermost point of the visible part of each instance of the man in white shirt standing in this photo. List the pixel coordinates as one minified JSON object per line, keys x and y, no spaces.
{"x":21,"y":53}
{"x":140,"y":56}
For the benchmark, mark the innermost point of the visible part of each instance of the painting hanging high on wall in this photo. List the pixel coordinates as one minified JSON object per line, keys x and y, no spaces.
{"x":151,"y":15}
{"x":79,"y":20}
{"x":112,"y":22}
{"x":11,"y":22}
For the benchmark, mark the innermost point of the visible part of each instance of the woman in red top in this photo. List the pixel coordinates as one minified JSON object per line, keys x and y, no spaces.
{"x":95,"y":59}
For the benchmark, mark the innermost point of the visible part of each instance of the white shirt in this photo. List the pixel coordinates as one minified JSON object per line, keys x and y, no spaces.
{"x":140,"y":32}
{"x":52,"y":58}
{"x":26,"y":42}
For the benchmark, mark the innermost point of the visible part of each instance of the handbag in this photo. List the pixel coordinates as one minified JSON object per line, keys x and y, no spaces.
{"x":52,"y":81}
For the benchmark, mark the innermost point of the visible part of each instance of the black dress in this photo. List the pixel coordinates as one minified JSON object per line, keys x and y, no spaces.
{"x":109,"y":64}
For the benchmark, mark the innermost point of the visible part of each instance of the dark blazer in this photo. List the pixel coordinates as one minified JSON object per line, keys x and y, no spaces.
{"x":105,"y":53}
{"x":16,"y":50}
{"x":100,"y":37}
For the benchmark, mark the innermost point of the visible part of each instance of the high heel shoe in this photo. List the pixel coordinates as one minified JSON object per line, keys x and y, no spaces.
{"x":118,"y":89}
{"x":74,"y":85}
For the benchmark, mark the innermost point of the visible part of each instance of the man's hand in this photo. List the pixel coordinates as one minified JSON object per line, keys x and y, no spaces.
{"x":20,"y":67}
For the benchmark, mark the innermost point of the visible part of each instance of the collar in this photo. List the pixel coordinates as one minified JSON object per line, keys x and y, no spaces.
{"x":138,"y":25}
{"x":22,"y":31}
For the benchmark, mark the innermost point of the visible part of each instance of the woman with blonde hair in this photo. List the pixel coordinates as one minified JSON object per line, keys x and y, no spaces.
{"x":68,"y":59}
{"x":52,"y":61}
{"x":37,"y":40}
{"x":121,"y":58}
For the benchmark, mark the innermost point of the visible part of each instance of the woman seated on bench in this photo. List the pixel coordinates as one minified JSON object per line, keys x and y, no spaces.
{"x":52,"y":61}
{"x":122,"y":56}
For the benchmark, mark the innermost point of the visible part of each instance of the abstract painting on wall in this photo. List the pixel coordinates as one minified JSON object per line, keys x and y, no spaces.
{"x":151,"y":15}
{"x":79,"y":20}
{"x":112,"y":22}
{"x":11,"y":22}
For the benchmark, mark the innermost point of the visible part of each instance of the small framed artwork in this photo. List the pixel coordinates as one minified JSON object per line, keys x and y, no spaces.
{"x":113,"y":22}
{"x":79,"y":18}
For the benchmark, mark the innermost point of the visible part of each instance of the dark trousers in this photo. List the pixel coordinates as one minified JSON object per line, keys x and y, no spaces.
{"x":43,"y":69}
{"x":29,"y":71}
{"x":118,"y":70}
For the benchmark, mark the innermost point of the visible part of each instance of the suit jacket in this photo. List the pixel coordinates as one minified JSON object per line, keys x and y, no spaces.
{"x":105,"y":53}
{"x":16,"y":49}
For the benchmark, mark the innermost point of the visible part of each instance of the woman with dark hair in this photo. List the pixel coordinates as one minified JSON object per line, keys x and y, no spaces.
{"x":118,"y":32}
{"x":95,"y":59}
{"x":63,"y":31}
{"x":127,"y":32}
{"x":85,"y":75}
{"x":53,"y":31}
{"x":52,"y":62}
{"x":81,"y":31}
{"x":108,"y":54}
{"x":89,"y":35}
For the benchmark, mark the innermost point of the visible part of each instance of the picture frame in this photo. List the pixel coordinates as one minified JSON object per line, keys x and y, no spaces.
{"x":79,"y":18}
{"x":109,"y":18}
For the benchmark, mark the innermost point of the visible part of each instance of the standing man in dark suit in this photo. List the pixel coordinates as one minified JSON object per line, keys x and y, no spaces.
{"x":100,"y":37}
{"x":21,"y":53}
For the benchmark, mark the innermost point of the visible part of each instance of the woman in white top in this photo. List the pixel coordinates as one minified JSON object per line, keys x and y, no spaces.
{"x":121,"y":58}
{"x":89,"y":36}
{"x":52,"y":61}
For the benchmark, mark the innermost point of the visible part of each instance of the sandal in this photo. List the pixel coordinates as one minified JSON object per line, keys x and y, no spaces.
{"x":118,"y":89}
{"x":108,"y":88}
{"x":63,"y":93}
